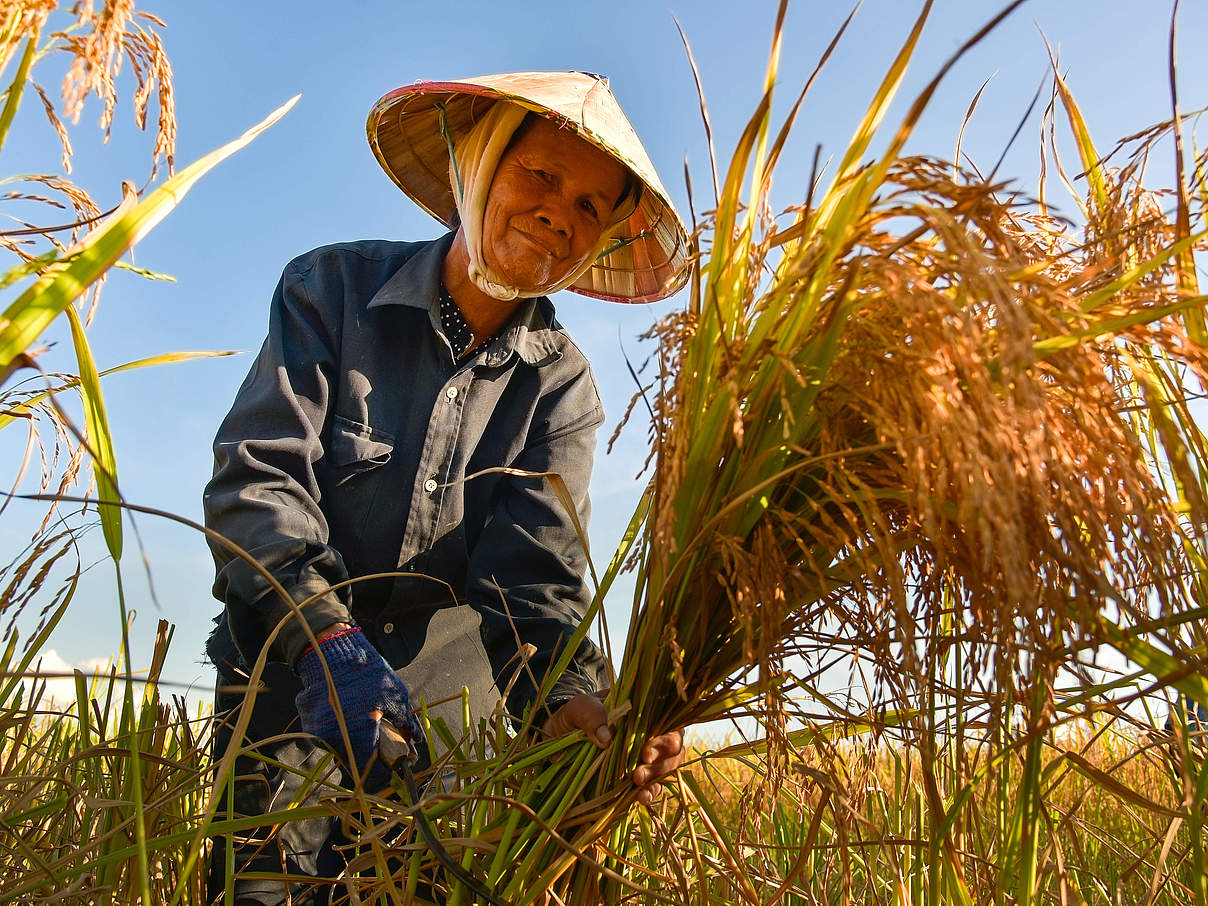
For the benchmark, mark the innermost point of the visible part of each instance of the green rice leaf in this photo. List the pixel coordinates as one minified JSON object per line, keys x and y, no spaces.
{"x":1106,"y":781}
{"x":25,"y":406}
{"x":1096,"y":329}
{"x":100,"y":439}
{"x":16,"y":88}
{"x":31,"y":313}
{"x":1158,"y":663}
{"x":1092,"y":165}
{"x":25,"y":268}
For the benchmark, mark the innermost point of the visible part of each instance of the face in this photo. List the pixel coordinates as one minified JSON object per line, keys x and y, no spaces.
{"x":552,"y":196}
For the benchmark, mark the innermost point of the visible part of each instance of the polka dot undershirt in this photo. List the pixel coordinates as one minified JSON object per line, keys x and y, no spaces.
{"x":453,"y":323}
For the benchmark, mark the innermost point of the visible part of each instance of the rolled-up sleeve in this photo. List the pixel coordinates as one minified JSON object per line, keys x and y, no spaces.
{"x":526,"y":572}
{"x":264,"y":496}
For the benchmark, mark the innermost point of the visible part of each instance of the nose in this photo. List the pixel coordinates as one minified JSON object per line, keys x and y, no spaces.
{"x":555,"y":219}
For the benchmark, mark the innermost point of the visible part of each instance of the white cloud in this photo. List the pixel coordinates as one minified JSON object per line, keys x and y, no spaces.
{"x":59,"y":694}
{"x":60,"y":691}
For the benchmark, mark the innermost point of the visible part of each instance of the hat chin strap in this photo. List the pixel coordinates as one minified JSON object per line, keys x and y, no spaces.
{"x":485,"y":280}
{"x":481,"y":279}
{"x":471,"y":171}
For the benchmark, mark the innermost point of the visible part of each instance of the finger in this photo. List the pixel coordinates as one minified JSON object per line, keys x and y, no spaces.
{"x":662,"y":746}
{"x":583,"y":712}
{"x":656,"y":769}
{"x":643,"y":775}
{"x":647,"y":794}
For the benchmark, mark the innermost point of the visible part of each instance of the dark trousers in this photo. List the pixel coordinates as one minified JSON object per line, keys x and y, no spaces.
{"x":267,"y":781}
{"x":451,"y":656}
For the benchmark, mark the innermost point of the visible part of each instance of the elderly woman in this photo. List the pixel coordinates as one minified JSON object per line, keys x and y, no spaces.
{"x":360,"y":463}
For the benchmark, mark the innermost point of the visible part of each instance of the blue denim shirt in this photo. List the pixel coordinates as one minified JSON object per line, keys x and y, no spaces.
{"x":346,"y":454}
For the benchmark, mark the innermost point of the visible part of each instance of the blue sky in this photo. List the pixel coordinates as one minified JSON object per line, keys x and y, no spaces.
{"x":312,"y":180}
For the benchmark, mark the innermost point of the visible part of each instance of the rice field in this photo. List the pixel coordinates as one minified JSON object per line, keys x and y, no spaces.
{"x":847,"y":824}
{"x":925,"y":518}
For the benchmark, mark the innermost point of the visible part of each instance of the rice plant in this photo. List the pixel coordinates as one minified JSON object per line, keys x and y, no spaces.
{"x":922,"y":452}
{"x":96,"y":793}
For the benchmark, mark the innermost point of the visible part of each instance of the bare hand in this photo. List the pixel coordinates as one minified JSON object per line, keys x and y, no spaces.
{"x":661,"y":755}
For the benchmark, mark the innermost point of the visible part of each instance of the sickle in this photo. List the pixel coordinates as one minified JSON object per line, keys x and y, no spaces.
{"x":396,"y":751}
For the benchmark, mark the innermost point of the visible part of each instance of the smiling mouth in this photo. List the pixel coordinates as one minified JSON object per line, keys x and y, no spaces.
{"x":537,"y":243}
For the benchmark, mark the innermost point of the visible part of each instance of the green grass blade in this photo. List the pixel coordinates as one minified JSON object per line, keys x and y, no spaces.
{"x":17,"y":87}
{"x":1157,"y":662}
{"x":1091,"y":162}
{"x":31,"y":313}
{"x":888,"y":89}
{"x":1050,"y":345}
{"x":15,"y":412}
{"x":100,"y":438}
{"x":20,"y":271}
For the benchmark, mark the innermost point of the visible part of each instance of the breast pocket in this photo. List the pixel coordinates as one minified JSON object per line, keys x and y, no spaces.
{"x":357,"y":448}
{"x":359,"y":496}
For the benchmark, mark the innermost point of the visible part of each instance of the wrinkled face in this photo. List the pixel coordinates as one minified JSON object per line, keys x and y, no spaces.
{"x":552,"y":196}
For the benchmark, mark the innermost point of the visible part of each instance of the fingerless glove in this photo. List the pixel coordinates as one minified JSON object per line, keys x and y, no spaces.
{"x":363,"y":682}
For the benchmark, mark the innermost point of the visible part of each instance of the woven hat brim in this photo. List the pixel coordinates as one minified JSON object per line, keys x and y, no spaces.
{"x":649,"y":260}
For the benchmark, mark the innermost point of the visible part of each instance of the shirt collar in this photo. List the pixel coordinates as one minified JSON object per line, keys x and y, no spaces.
{"x":531,"y":333}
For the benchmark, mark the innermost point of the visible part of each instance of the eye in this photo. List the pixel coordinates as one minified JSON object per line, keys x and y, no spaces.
{"x":590,"y":209}
{"x":542,"y":175}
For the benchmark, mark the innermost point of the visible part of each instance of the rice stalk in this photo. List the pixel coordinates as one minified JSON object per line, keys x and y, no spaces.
{"x":81,"y":803}
{"x":81,"y":780}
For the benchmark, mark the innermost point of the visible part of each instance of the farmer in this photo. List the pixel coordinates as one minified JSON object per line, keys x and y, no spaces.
{"x":351,"y":464}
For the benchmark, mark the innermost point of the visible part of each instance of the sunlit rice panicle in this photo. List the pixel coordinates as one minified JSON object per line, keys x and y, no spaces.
{"x":154,"y":71}
{"x":105,"y":39}
{"x":57,"y":125}
{"x":97,"y":55}
{"x":20,"y":19}
{"x":955,"y":445}
{"x":98,"y":39}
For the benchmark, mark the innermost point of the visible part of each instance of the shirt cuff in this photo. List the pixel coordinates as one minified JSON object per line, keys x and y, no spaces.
{"x":293,"y":639}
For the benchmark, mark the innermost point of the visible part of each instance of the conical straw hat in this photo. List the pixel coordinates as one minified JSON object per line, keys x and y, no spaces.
{"x":649,"y":261}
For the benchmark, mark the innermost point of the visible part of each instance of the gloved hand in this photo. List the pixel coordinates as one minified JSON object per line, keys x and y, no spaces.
{"x":364,"y":683}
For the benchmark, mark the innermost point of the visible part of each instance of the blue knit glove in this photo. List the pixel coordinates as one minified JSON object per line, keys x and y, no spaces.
{"x":363,"y":682}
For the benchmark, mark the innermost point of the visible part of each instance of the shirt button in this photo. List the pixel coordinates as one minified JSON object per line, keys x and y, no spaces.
{"x":451,"y":393}
{"x":430,"y":485}
{"x":388,"y":628}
